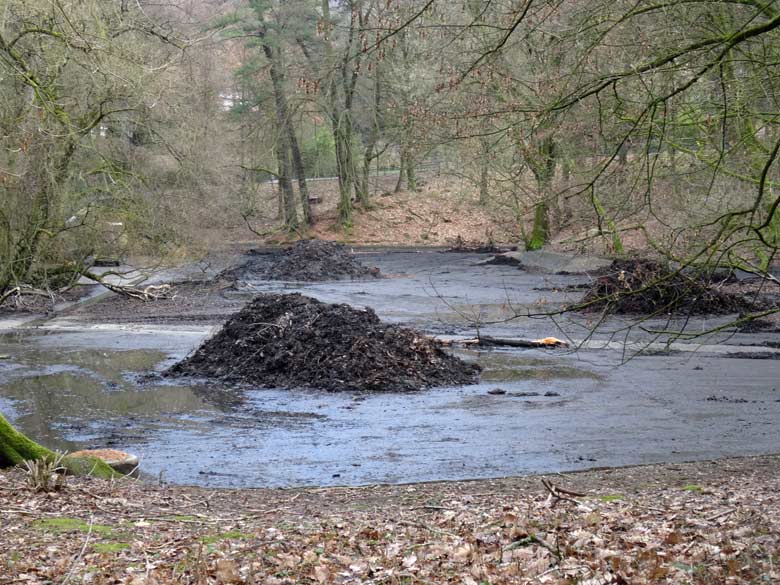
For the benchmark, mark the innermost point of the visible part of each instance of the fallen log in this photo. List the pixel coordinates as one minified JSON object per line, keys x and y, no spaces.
{"x":150,"y":293}
{"x":487,"y":341}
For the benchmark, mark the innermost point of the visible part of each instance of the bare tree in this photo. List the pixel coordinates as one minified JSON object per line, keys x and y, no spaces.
{"x":71,"y":75}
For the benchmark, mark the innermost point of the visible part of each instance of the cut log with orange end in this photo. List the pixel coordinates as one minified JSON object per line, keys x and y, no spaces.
{"x":551,"y":341}
{"x":118,"y":460}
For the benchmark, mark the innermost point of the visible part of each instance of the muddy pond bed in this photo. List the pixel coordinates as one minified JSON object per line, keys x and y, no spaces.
{"x":77,"y":381}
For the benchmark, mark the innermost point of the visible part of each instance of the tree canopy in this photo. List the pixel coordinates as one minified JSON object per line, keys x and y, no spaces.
{"x":614,"y":122}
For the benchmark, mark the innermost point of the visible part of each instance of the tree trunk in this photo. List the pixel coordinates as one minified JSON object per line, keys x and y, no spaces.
{"x":563,"y":200}
{"x":541,"y":229}
{"x":342,"y":136}
{"x":411,"y":175}
{"x":289,"y":216}
{"x":369,"y":155}
{"x":543,"y":169}
{"x":300,"y":175}
{"x":341,"y":90}
{"x":401,"y":173}
{"x":284,"y":148}
{"x":484,"y":192}
{"x":484,"y":162}
{"x":15,"y":448}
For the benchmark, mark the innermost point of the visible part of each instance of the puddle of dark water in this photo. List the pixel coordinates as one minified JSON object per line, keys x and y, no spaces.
{"x":502,"y":366}
{"x":88,"y":397}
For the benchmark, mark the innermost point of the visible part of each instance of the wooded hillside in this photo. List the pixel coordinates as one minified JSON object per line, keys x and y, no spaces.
{"x":130,"y":127}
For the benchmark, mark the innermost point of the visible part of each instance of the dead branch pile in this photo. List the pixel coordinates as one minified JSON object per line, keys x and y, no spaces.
{"x":649,"y":287}
{"x":295,"y":341}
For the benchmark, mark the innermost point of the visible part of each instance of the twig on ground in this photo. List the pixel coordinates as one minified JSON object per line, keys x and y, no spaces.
{"x":426,"y":527}
{"x":80,"y":554}
{"x":559,"y":494}
{"x":532,"y":539}
{"x":720,"y":515}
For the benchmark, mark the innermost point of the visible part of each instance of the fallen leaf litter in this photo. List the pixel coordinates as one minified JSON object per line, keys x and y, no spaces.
{"x":634,"y":525}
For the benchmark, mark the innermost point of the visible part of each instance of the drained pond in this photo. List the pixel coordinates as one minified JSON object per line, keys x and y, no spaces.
{"x":82,"y":380}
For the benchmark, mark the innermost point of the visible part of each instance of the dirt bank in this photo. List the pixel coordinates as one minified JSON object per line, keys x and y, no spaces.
{"x":193,"y":301}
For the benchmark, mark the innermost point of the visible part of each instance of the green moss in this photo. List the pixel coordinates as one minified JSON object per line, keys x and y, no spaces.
{"x":109,"y":547}
{"x":89,"y":466}
{"x":15,"y":448}
{"x":611,"y":498}
{"x":65,"y":524}
{"x":541,"y":229}
{"x":693,"y":488}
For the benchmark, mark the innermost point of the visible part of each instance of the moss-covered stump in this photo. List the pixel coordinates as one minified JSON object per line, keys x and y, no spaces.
{"x":15,"y":448}
{"x":122,"y":462}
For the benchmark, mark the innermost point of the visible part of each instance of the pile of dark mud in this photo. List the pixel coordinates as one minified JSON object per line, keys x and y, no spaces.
{"x":306,"y":261}
{"x":312,"y":260}
{"x":293,"y":341}
{"x":649,"y":287}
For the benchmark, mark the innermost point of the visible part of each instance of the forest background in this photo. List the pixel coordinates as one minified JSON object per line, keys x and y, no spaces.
{"x":157,"y":129}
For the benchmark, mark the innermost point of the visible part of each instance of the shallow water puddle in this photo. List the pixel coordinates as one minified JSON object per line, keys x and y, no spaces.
{"x":513,"y":366}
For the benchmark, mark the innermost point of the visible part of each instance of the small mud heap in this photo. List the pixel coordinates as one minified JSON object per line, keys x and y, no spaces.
{"x":291,"y":341}
{"x":312,"y":260}
{"x":648,"y":287}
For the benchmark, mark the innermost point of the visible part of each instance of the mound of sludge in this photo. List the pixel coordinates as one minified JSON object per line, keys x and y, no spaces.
{"x":312,"y":260}
{"x":291,"y":341}
{"x":306,"y":261}
{"x":649,"y":287}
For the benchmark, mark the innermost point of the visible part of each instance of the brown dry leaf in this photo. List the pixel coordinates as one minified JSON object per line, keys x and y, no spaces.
{"x":462,"y":554}
{"x":673,"y":538}
{"x":321,"y":573}
{"x":227,"y":571}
